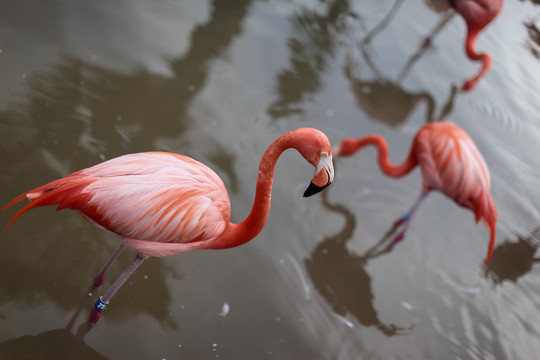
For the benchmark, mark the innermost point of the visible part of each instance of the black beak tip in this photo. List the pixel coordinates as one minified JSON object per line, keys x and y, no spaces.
{"x":314,"y":189}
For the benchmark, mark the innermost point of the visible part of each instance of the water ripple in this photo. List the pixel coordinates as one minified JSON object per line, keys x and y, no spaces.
{"x":500,"y":113}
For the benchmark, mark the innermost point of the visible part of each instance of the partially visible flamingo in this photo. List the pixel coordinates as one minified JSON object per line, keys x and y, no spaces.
{"x":477,"y":15}
{"x":162,"y":204}
{"x":450,"y":163}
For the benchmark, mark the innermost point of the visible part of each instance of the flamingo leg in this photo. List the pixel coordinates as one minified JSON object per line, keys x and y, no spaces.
{"x":425,"y":45}
{"x":95,"y":312}
{"x":428,"y":41}
{"x":405,"y":219}
{"x":100,"y":277}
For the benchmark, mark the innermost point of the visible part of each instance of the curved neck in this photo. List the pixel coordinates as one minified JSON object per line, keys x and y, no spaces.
{"x":473,"y":55}
{"x":470,"y":44}
{"x":238,"y":234}
{"x":386,"y":166}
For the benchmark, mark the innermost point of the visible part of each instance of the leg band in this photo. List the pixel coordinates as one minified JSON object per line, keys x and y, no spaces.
{"x":100,"y":304}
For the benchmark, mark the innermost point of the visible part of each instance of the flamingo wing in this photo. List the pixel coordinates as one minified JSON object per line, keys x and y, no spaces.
{"x":149,"y":199}
{"x":455,"y":167}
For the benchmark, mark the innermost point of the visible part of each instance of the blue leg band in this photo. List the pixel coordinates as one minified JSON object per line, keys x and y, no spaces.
{"x":100,"y":304}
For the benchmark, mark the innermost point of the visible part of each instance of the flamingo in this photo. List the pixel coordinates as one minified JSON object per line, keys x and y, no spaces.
{"x":162,"y":204}
{"x":450,"y":163}
{"x":477,"y":15}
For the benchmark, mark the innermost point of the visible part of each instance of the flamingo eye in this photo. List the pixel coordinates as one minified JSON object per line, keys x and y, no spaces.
{"x":324,"y":155}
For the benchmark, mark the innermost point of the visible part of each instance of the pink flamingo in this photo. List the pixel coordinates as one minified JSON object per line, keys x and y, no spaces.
{"x":477,"y":15}
{"x":450,"y":163}
{"x":162,"y":204}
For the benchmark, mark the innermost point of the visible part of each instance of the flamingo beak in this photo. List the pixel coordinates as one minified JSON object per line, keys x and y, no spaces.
{"x":324,"y":175}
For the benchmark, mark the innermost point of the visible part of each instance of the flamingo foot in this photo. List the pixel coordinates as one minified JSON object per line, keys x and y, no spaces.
{"x":98,"y":280}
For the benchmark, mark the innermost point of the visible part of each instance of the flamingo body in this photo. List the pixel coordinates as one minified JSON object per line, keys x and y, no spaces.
{"x":162,"y":200}
{"x":161,"y":204}
{"x":450,"y":163}
{"x":477,"y":13}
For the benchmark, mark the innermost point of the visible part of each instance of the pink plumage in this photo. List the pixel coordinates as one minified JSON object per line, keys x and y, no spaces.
{"x":450,"y":163}
{"x":477,"y":15}
{"x":161,"y":198}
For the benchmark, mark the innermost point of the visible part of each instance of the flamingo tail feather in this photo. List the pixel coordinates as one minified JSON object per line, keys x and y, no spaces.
{"x":65,"y":192}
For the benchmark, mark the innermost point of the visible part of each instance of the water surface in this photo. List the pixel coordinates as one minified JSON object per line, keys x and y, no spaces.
{"x":83,"y":82}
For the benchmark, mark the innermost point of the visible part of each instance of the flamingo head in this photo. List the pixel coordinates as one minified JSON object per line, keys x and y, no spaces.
{"x":324,"y":175}
{"x":316,"y":149}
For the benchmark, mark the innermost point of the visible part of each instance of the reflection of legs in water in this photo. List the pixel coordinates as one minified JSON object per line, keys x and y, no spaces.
{"x":383,"y":23}
{"x":82,"y":320}
{"x":78,"y":324}
{"x":362,"y":46}
{"x":350,"y":66}
{"x":447,"y":108}
{"x":428,"y":41}
{"x":341,"y":278}
{"x":425,"y":45}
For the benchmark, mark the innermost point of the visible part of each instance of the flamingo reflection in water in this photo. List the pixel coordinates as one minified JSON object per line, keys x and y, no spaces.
{"x":512,"y":260}
{"x":50,"y":344}
{"x":63,"y":343}
{"x":341,"y":278}
{"x":533,"y":42}
{"x":477,"y":14}
{"x":373,"y":94}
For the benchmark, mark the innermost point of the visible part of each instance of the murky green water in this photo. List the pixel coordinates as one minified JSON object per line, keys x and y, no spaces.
{"x":82,"y":82}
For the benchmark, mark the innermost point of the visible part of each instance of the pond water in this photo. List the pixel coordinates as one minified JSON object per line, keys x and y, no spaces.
{"x":83,"y":82}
